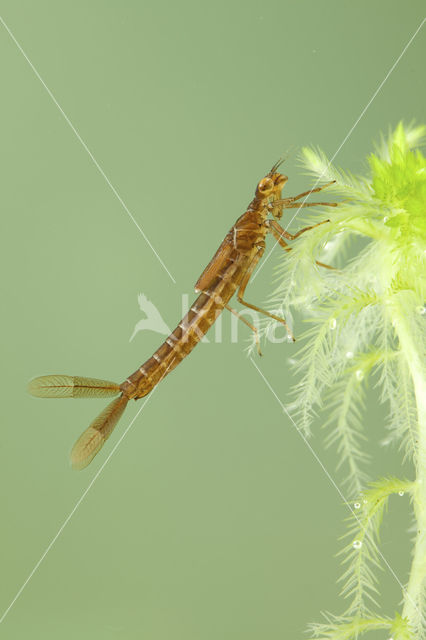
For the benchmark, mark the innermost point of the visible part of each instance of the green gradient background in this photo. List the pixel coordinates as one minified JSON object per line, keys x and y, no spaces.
{"x":213,"y":520}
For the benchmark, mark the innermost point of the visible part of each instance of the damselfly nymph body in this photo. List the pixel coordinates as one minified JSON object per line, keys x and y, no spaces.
{"x":227,"y":274}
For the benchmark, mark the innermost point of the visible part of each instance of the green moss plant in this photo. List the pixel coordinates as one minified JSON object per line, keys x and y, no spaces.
{"x":367,"y":327}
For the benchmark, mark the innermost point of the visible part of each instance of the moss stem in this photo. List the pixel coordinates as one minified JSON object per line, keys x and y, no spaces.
{"x":414,"y":597}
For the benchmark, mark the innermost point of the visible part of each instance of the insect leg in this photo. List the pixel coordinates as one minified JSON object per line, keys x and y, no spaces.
{"x":278,"y":233}
{"x":252,"y":327}
{"x":307,"y":193}
{"x":240,"y":294}
{"x":299,"y":205}
{"x":278,"y":204}
{"x":273,"y":225}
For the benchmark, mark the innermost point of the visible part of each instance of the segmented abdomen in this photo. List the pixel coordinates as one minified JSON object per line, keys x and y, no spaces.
{"x":187,"y":334}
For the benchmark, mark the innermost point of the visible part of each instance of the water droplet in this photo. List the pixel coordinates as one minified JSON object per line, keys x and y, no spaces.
{"x":359,"y":374}
{"x":421,"y":310}
{"x":357,"y":544}
{"x":357,"y":505}
{"x":349,"y":354}
{"x":289,"y":338}
{"x":333,"y":323}
{"x":365,"y":501}
{"x":401,"y":493}
{"x":385,"y":219}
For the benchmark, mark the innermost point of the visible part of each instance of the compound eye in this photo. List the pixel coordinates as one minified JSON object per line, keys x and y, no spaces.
{"x":265,"y":186}
{"x":280,"y":181}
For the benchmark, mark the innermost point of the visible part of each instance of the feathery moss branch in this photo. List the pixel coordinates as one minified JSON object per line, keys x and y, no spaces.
{"x":367,"y":323}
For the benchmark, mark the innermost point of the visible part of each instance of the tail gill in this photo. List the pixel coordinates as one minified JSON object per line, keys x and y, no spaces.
{"x":91,"y":440}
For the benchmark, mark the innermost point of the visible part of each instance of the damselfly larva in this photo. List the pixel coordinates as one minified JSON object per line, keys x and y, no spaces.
{"x":227,"y":273}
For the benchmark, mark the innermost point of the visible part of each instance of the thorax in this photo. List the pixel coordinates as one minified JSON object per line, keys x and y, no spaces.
{"x":249,"y":231}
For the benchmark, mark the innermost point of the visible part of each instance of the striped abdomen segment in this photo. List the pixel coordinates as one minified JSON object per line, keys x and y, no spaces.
{"x":193,"y":326}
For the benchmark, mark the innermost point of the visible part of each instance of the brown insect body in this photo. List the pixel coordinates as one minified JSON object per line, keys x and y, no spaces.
{"x":228,"y":271}
{"x":241,"y":249}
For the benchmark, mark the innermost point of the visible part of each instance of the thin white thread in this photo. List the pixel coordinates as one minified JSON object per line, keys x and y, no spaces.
{"x":329,"y":476}
{"x":86,"y":148}
{"x":80,"y":500}
{"x":68,"y":518}
{"x":266,"y":258}
{"x":161,"y":262}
